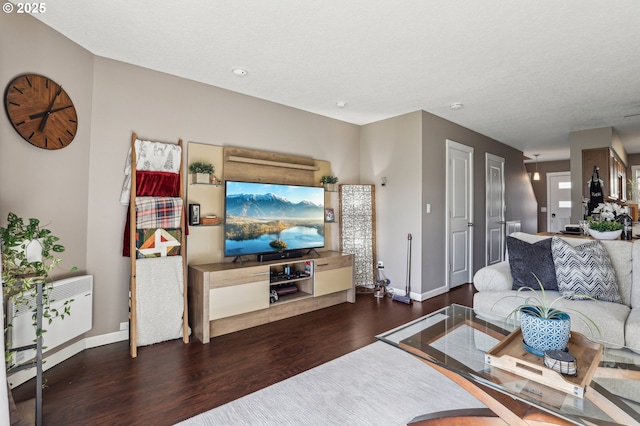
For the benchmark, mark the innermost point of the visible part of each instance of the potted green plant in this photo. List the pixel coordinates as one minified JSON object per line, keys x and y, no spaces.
{"x":606,"y":227}
{"x":201,"y":172}
{"x":543,"y":326}
{"x":329,"y":182}
{"x":28,"y":255}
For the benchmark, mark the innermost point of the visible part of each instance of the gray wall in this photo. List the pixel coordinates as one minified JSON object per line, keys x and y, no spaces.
{"x":519,"y":199}
{"x":410,"y":150}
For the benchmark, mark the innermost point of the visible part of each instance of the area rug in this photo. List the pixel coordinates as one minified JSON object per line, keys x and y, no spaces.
{"x":376,"y":385}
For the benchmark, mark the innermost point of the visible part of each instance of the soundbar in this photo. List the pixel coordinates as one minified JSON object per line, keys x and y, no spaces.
{"x":280,"y":255}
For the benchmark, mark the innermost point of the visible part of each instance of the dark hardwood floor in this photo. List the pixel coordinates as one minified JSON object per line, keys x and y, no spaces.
{"x":170,"y":382}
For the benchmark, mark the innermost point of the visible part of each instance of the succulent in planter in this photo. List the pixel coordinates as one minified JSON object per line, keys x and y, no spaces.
{"x":201,"y":172}
{"x":329,"y":183}
{"x":545,"y":327}
{"x":29,"y":254}
{"x":329,"y":179}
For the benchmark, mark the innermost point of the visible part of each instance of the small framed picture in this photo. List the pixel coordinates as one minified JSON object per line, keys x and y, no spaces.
{"x":329,"y":215}
{"x":194,"y":214}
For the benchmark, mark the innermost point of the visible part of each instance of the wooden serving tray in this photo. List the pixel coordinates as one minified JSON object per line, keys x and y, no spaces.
{"x":511,"y":356}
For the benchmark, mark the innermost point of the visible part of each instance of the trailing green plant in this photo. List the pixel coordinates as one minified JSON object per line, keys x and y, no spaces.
{"x":201,"y":167}
{"x":329,"y":179}
{"x":541,"y":306}
{"x":21,"y":270}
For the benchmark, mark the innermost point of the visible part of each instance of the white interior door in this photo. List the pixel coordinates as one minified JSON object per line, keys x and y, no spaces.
{"x":459,"y":213}
{"x":558,"y":201}
{"x":495,"y":220}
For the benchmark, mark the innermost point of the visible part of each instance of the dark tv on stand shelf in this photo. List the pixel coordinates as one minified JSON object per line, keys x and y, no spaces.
{"x":272,"y":221}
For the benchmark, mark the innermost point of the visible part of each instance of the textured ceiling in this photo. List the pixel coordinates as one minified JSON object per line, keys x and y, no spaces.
{"x":527,"y":72}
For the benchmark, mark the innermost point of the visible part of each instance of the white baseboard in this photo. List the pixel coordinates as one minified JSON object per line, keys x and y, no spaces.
{"x":23,"y":376}
{"x":421,"y":297}
{"x":432,"y":293}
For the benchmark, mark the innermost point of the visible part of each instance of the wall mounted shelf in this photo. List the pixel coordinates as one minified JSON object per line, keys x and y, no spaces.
{"x":237,"y":159}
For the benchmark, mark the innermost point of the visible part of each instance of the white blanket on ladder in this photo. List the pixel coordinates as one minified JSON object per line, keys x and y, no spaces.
{"x":159,"y":298}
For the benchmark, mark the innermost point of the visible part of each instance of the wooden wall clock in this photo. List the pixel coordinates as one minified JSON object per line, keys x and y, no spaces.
{"x":41,"y":111}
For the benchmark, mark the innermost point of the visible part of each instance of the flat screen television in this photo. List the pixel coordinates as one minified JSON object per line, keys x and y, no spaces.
{"x":261,"y":218}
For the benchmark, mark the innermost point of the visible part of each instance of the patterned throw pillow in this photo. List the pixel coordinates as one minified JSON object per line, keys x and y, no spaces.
{"x":584,"y":270}
{"x":527,"y":259}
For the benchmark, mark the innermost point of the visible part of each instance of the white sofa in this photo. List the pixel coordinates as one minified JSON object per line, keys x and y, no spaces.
{"x":619,"y":323}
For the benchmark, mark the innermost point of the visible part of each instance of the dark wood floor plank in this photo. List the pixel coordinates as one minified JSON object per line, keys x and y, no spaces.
{"x":169,"y":382}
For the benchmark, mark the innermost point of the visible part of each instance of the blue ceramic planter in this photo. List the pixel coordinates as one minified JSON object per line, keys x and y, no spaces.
{"x":543,"y":334}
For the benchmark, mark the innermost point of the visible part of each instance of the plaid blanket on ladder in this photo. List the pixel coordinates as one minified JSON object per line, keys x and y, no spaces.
{"x":158,"y":212}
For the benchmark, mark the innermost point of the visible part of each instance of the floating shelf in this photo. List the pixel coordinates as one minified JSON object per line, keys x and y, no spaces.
{"x":238,"y":159}
{"x":207,"y":184}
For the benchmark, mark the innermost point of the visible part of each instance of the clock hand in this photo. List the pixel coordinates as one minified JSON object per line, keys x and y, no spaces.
{"x":46,"y":115}
{"x":43,"y":113}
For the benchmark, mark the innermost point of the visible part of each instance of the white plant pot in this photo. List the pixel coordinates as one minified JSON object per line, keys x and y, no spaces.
{"x":608,"y":235}
{"x":33,"y":250}
{"x":330,"y":187}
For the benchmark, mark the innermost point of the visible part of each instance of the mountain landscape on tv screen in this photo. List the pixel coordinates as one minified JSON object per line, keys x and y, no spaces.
{"x":271,"y":206}
{"x":261,"y":223}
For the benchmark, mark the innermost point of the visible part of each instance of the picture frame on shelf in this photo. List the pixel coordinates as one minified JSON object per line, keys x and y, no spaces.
{"x":194,"y":214}
{"x":329,"y":215}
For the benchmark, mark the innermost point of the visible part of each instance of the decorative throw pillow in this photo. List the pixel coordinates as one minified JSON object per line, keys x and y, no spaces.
{"x":584,"y":270}
{"x":526,"y":259}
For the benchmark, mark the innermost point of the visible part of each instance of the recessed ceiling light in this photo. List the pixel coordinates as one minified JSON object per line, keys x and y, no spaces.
{"x":456,"y":106}
{"x":341,"y":104}
{"x":239,"y":72}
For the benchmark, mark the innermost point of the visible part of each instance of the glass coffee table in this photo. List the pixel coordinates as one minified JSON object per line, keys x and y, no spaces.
{"x":454,"y":341}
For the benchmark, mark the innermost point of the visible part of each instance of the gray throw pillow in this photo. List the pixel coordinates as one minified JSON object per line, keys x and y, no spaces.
{"x":584,"y":270}
{"x":526,"y":259}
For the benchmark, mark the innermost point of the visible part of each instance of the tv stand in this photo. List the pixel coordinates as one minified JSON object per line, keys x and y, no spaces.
{"x":313,"y":250}
{"x":238,"y":258}
{"x":227,"y":297}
